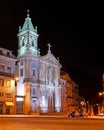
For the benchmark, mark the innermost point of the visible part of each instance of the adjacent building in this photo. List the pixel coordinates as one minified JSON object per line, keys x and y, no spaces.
{"x":70,"y":97}
{"x":7,"y":81}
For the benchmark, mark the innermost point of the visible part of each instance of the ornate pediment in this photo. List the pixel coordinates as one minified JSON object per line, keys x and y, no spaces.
{"x":51,"y":59}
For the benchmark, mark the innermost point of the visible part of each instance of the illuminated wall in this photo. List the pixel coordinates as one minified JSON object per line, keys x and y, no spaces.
{"x":40,"y":74}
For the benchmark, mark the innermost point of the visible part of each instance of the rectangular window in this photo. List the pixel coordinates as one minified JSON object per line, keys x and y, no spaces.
{"x":7,"y":95}
{"x":1,"y":107}
{"x":1,"y":94}
{"x":2,"y":68}
{"x":33,"y":72}
{"x":34,"y":91}
{"x":1,"y":82}
{"x":21,"y":72}
{"x":8,"y":83}
{"x":9,"y":69}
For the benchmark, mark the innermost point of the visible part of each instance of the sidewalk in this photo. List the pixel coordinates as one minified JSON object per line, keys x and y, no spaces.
{"x":32,"y":116}
{"x":46,"y":116}
{"x":96,"y":117}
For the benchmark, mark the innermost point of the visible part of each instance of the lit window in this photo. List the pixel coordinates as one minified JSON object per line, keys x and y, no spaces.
{"x":1,"y":82}
{"x":1,"y":94}
{"x":7,"y":95}
{"x":8,"y":83}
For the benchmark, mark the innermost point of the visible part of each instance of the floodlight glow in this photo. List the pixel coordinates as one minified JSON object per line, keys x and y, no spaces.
{"x":19,"y":99}
{"x":12,"y":83}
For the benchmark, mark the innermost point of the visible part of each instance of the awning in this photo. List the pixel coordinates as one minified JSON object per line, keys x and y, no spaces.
{"x":9,"y":103}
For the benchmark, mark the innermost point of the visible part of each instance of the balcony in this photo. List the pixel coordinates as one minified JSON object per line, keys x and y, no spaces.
{"x":34,"y":81}
{"x":6,"y":74}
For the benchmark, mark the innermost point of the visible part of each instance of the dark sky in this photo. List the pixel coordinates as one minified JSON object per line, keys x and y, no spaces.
{"x":75,"y":31}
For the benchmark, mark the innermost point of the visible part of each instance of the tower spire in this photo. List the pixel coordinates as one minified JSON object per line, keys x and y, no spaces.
{"x":28,"y":38}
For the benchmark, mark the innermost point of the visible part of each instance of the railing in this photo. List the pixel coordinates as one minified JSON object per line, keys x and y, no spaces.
{"x":34,"y":81}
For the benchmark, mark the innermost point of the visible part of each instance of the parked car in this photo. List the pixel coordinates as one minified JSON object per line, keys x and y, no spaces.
{"x":71,"y":115}
{"x":75,"y":114}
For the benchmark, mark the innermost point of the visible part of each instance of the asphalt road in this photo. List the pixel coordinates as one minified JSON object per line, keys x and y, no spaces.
{"x":50,"y":124}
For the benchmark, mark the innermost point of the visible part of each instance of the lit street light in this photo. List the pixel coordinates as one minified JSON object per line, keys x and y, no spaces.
{"x":101,"y":94}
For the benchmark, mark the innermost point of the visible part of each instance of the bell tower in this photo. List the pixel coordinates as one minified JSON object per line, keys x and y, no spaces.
{"x":27,"y":38}
{"x":28,"y":54}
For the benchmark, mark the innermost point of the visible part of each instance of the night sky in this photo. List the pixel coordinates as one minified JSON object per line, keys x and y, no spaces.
{"x":74,"y":30}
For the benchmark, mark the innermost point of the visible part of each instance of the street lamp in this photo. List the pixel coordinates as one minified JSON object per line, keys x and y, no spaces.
{"x":101,"y":108}
{"x":16,"y":79}
{"x":101,"y":94}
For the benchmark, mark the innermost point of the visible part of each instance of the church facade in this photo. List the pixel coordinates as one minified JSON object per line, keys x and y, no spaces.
{"x":38,"y":89}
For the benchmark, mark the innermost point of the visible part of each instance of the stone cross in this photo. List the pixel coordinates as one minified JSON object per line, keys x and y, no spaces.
{"x":49,"y":46}
{"x":28,"y":12}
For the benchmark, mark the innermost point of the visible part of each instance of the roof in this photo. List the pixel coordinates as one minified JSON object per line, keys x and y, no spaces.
{"x":28,"y":25}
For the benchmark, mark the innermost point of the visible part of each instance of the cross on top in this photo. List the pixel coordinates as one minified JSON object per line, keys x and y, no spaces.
{"x":49,"y":46}
{"x":28,"y":12}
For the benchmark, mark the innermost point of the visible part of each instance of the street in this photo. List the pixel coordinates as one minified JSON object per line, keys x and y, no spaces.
{"x":50,"y":124}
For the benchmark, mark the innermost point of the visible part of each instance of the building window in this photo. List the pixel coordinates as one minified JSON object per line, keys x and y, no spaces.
{"x":7,"y":110}
{"x":23,"y":43}
{"x":33,"y":43}
{"x":8,"y":53}
{"x":21,"y":72}
{"x":8,"y":83}
{"x":7,"y":95}
{"x":9,"y":69}
{"x":33,"y":72}
{"x":34,"y":91}
{"x":1,"y":107}
{"x":2,"y":68}
{"x":21,"y":63}
{"x":1,"y":82}
{"x":1,"y":94}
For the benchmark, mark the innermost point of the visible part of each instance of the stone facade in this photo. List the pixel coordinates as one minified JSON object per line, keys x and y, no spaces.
{"x":38,"y":88}
{"x":7,"y":82}
{"x":70,"y":97}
